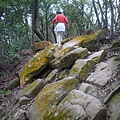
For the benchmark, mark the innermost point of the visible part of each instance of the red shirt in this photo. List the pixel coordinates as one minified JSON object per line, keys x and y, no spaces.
{"x":60,"y":18}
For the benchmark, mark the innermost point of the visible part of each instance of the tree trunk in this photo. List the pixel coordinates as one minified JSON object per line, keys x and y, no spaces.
{"x":112,"y":17}
{"x":35,"y":21}
{"x":99,"y":24}
{"x":27,"y":27}
{"x":101,"y":11}
{"x":46,"y":17}
{"x":106,"y":17}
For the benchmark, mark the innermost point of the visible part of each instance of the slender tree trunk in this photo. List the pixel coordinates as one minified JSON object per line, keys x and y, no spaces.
{"x":46,"y":25}
{"x":101,"y":11}
{"x":118,"y":16}
{"x":35,"y":21}
{"x":27,"y":28}
{"x":112,"y":17}
{"x":106,"y":17}
{"x":98,"y":20}
{"x":33,"y":34}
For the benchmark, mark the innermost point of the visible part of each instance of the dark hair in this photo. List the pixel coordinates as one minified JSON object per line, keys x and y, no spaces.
{"x":58,"y":12}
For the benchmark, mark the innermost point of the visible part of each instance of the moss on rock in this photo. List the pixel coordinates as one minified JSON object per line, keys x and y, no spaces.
{"x":33,"y":67}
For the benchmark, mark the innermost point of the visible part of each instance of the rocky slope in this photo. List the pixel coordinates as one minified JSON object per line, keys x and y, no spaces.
{"x":74,"y":82}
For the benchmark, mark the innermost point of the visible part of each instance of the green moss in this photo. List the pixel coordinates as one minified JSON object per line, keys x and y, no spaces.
{"x":46,"y":101}
{"x":85,"y":70}
{"x":62,"y":115}
{"x":116,"y":43}
{"x":31,"y":89}
{"x":33,"y":66}
{"x":115,"y":99}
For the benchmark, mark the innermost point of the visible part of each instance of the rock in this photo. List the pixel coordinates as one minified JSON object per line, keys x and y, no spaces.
{"x":33,"y":67}
{"x":14,"y":83}
{"x":103,"y":72}
{"x":91,"y":41}
{"x":22,"y":101}
{"x":33,"y":89}
{"x":51,"y":76}
{"x":64,"y":83}
{"x":78,"y":106}
{"x":66,"y":40}
{"x":50,"y":96}
{"x":69,"y":58}
{"x":88,"y":89}
{"x":19,"y":115}
{"x":59,"y":54}
{"x":97,"y":56}
{"x":63,"y":74}
{"x":40,"y":45}
{"x":81,"y":69}
{"x":74,"y":42}
{"x":114,"y":106}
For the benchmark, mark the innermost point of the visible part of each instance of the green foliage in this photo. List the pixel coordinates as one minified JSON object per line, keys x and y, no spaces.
{"x":116,"y":44}
{"x":3,"y":93}
{"x":16,"y":33}
{"x":4,"y":74}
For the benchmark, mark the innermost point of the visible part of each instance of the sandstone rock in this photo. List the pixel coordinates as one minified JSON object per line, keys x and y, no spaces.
{"x":33,"y":67}
{"x":51,"y":76}
{"x":22,"y":101}
{"x":114,"y":107}
{"x":78,"y":106}
{"x":14,"y":83}
{"x":74,"y":42}
{"x":69,"y":58}
{"x":33,"y":89}
{"x":91,"y":42}
{"x":81,"y":68}
{"x":41,"y":45}
{"x":88,"y":89}
{"x":47,"y":100}
{"x":103,"y":72}
{"x":97,"y":56}
{"x":63,"y":74}
{"x":19,"y":115}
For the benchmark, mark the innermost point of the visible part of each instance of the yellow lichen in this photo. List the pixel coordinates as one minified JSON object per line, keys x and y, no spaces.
{"x":33,"y":65}
{"x":45,"y":102}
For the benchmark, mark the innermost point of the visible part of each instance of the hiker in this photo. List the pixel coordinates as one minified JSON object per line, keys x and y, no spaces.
{"x":61,"y":20}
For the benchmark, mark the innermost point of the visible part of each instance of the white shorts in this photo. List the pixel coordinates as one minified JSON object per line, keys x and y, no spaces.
{"x":59,"y":27}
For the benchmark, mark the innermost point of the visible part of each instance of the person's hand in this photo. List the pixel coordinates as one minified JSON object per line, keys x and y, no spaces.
{"x":67,"y":25}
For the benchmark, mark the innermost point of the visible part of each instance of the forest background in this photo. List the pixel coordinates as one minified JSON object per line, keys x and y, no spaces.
{"x":24,"y":22}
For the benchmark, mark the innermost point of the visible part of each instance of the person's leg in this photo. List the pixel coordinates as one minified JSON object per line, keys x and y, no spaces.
{"x":59,"y":38}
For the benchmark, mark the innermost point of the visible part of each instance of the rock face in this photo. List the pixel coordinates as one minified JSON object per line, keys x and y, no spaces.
{"x":50,"y":96}
{"x":70,"y":83}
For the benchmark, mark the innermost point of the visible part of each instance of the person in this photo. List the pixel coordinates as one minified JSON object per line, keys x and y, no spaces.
{"x":60,"y":20}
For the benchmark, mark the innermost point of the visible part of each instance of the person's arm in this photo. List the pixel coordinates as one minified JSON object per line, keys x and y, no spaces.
{"x":54,"y":20}
{"x":66,"y":21}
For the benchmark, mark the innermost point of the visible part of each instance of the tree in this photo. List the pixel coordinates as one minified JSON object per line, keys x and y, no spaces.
{"x":35,"y":21}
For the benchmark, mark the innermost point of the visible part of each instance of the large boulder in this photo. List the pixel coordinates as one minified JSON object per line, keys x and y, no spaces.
{"x":50,"y":96}
{"x":69,"y":58}
{"x":81,"y":68}
{"x":97,"y":56}
{"x":91,"y":41}
{"x":104,"y":71}
{"x":114,"y":105}
{"x":41,"y":45}
{"x":32,"y":89}
{"x":78,"y":106}
{"x":35,"y":65}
